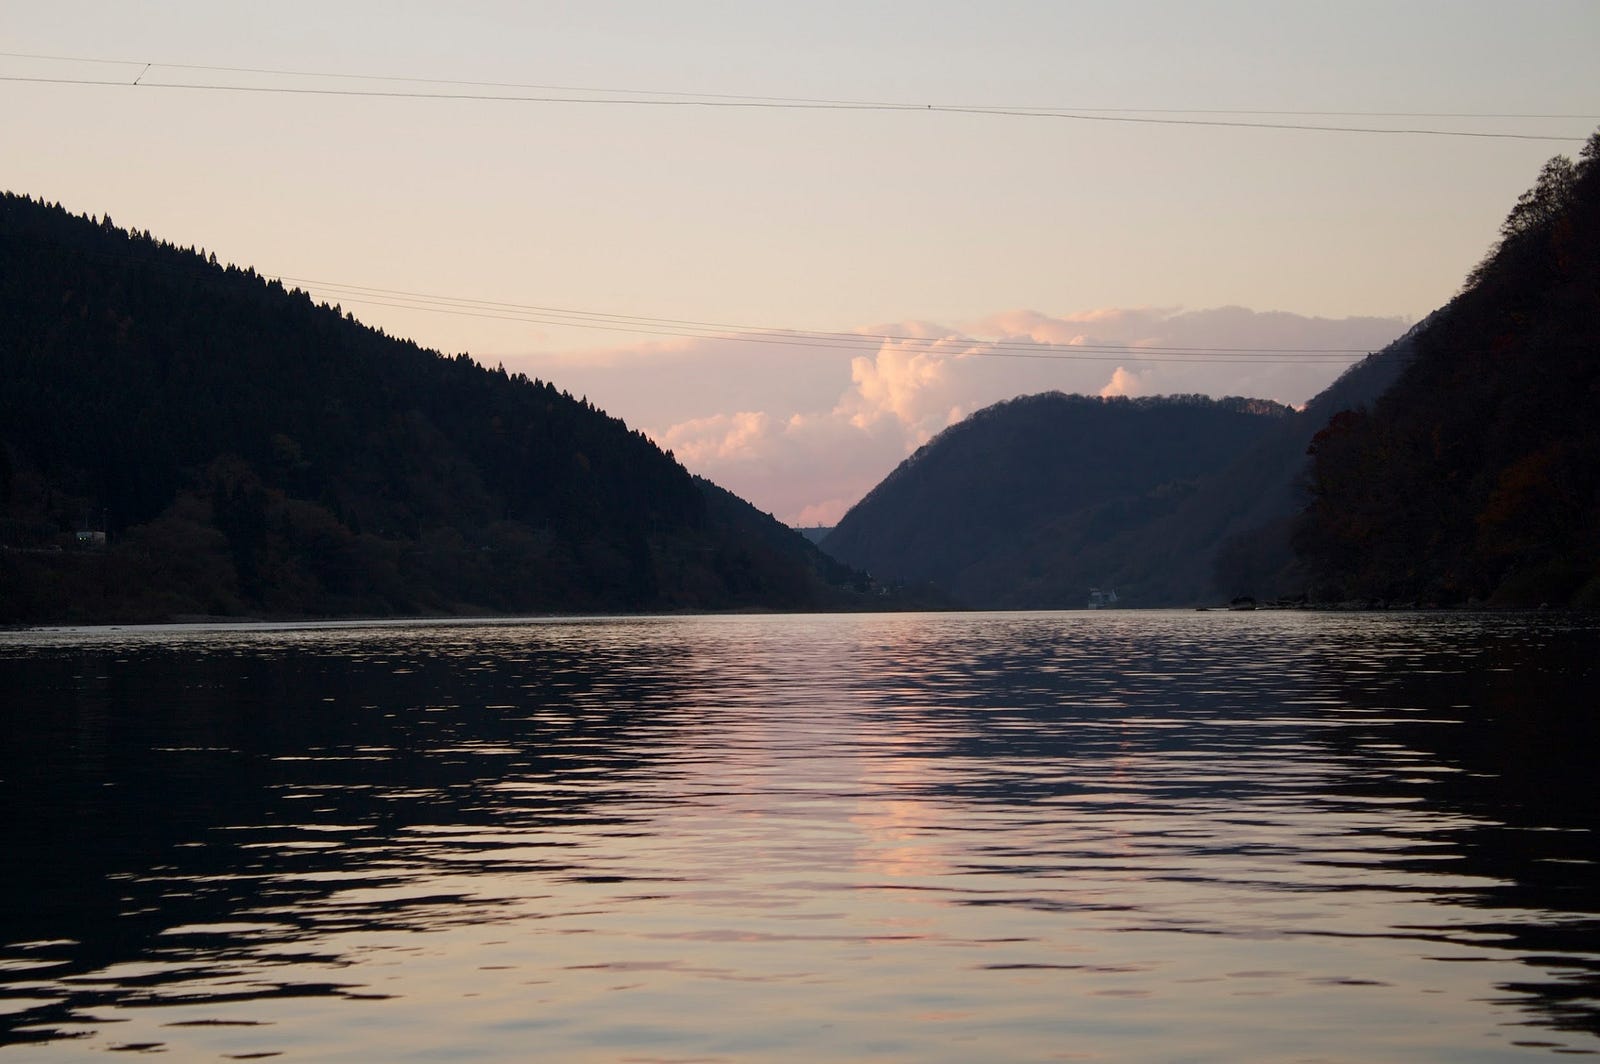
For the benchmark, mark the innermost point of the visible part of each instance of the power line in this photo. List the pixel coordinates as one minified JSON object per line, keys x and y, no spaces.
{"x":864,"y":342}
{"x":722,"y":327}
{"x":975,"y":347}
{"x":336,"y":293}
{"x":452,"y":81}
{"x":285,"y":72}
{"x":657,"y":98}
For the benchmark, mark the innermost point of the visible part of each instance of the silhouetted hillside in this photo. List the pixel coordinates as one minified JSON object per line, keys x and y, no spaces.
{"x":247,"y":451}
{"x":1477,"y":476}
{"x":1031,"y":502}
{"x":1231,"y":536}
{"x":1241,"y":525}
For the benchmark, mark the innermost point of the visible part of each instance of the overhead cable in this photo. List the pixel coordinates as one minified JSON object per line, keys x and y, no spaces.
{"x":554,"y":94}
{"x":339,"y":293}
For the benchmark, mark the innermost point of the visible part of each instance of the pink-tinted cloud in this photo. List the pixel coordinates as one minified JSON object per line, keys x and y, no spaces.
{"x":1124,"y":382}
{"x":804,"y":432}
{"x":718,"y":438}
{"x":806,"y":468}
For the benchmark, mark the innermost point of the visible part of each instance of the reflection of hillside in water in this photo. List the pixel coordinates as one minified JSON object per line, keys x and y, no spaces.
{"x":224,"y":805}
{"x":220,"y":818}
{"x":1500,"y":726}
{"x":1461,"y":767}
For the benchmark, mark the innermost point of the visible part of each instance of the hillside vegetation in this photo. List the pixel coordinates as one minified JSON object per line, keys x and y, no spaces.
{"x":1476,"y":477}
{"x":1031,"y":502}
{"x":1460,"y":465}
{"x":247,"y":451}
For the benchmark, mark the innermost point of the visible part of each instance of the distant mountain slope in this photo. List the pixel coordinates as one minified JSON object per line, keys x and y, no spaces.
{"x":1238,"y":529}
{"x":1477,"y":476}
{"x":1030,"y":502}
{"x":250,"y":452}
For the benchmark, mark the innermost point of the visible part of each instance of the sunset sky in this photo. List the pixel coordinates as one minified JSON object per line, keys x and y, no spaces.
{"x":1071,"y":196}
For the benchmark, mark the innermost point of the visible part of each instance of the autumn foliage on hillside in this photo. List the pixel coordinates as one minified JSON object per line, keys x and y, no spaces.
{"x":1476,"y":478}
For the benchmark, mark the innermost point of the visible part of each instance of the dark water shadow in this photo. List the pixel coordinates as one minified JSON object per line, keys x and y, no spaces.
{"x":176,"y":815}
{"x":1508,"y":709}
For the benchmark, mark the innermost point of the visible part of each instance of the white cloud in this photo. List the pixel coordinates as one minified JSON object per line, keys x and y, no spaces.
{"x":892,"y":381}
{"x":1123,"y":382}
{"x":805,"y":431}
{"x":720,"y":437}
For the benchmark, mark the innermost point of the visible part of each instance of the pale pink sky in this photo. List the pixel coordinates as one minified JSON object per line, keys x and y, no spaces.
{"x":807,"y":218}
{"x":815,"y":429}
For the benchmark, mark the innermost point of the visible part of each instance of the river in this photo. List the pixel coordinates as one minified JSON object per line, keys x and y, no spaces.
{"x":1110,"y":835}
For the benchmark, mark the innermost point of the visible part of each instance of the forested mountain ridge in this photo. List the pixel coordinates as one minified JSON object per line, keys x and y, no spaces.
{"x":1476,"y":477}
{"x":251,"y":452}
{"x":1242,"y":522}
{"x":1030,"y":502}
{"x":1460,"y":465}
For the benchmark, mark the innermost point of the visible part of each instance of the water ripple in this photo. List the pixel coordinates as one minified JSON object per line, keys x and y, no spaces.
{"x":933,"y":837}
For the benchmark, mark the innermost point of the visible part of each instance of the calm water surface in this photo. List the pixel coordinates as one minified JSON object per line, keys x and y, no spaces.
{"x":1092,"y":836}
